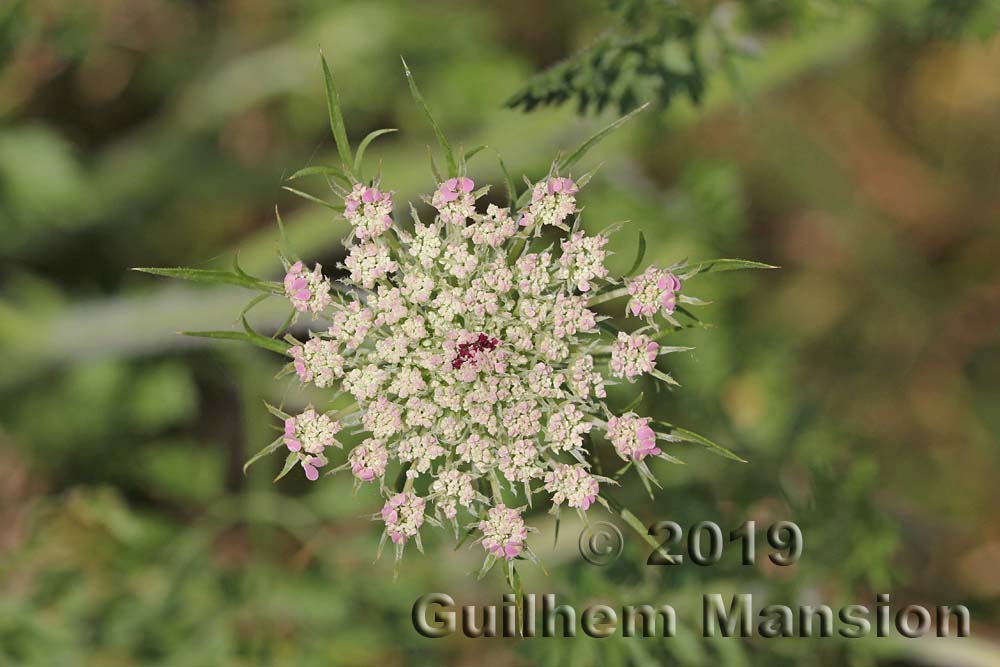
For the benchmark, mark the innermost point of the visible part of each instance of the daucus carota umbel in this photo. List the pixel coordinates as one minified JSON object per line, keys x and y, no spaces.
{"x":467,"y":340}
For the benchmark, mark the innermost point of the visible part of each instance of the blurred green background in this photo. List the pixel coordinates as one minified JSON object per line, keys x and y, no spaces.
{"x":859,"y":150}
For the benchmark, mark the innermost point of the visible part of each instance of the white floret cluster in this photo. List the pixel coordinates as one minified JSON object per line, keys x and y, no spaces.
{"x":474,"y":360}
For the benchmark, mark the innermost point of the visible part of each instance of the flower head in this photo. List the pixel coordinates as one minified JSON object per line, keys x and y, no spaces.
{"x":519,"y":461}
{"x":632,"y":437}
{"x":631,"y":356}
{"x":368,"y":460}
{"x":492,"y":229}
{"x":318,"y":361}
{"x":454,"y":200}
{"x":308,"y":435}
{"x":473,"y":357}
{"x":307,"y":290}
{"x":504,"y":532}
{"x":403,"y":515}
{"x":582,"y":260}
{"x":368,"y":210}
{"x":571,"y":484}
{"x":552,"y":201}
{"x":420,"y":450}
{"x":464,"y":348}
{"x":368,"y":263}
{"x":452,"y":488}
{"x":653,"y":291}
{"x":566,"y":428}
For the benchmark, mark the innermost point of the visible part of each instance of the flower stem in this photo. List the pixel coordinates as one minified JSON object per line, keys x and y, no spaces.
{"x":609,"y":296}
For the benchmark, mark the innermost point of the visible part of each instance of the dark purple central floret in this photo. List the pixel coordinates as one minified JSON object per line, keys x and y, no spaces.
{"x":467,"y":351}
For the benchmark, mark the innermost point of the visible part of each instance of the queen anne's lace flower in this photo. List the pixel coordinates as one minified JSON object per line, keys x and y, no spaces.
{"x":420,"y":450}
{"x":552,"y":201}
{"x":408,"y":381}
{"x":369,"y":262}
{"x":308,"y":435}
{"x":478,"y":451}
{"x":532,"y":272}
{"x":365,"y":383}
{"x":453,"y":487}
{"x":368,"y":460}
{"x":368,"y":210}
{"x":454,"y":201}
{"x":584,"y":380}
{"x":383,"y":418}
{"x":504,"y":532}
{"x":582,"y":260}
{"x":566,"y":428}
{"x":651,"y":291}
{"x":389,"y":306}
{"x":473,"y":358}
{"x":519,"y":461}
{"x":634,"y":355}
{"x":491,"y":229}
{"x":571,"y":315}
{"x":571,"y":484}
{"x":351,"y":324}
{"x":632,"y":437}
{"x":307,"y":290}
{"x":425,"y":246}
{"x":464,"y":348}
{"x":403,"y":514}
{"x":523,"y":419}
{"x":318,"y":361}
{"x":458,"y":260}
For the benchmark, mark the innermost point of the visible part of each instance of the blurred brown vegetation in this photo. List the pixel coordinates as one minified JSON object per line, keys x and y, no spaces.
{"x":861,"y":380}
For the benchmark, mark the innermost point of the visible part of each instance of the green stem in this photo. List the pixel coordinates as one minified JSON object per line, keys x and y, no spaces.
{"x":635,"y":524}
{"x":609,"y":296}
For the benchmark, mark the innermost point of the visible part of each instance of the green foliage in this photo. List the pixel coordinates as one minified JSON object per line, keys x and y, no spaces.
{"x":684,"y":435}
{"x":657,"y":51}
{"x":860,"y":381}
{"x":250,"y":337}
{"x":651,"y":53}
{"x":449,"y":154}
{"x":337,"y":119}
{"x":104,"y":584}
{"x":567,"y":163}
{"x":717,"y":265}
{"x":213,"y":276}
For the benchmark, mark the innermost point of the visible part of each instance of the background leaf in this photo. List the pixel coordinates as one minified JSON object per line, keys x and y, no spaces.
{"x":336,"y":117}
